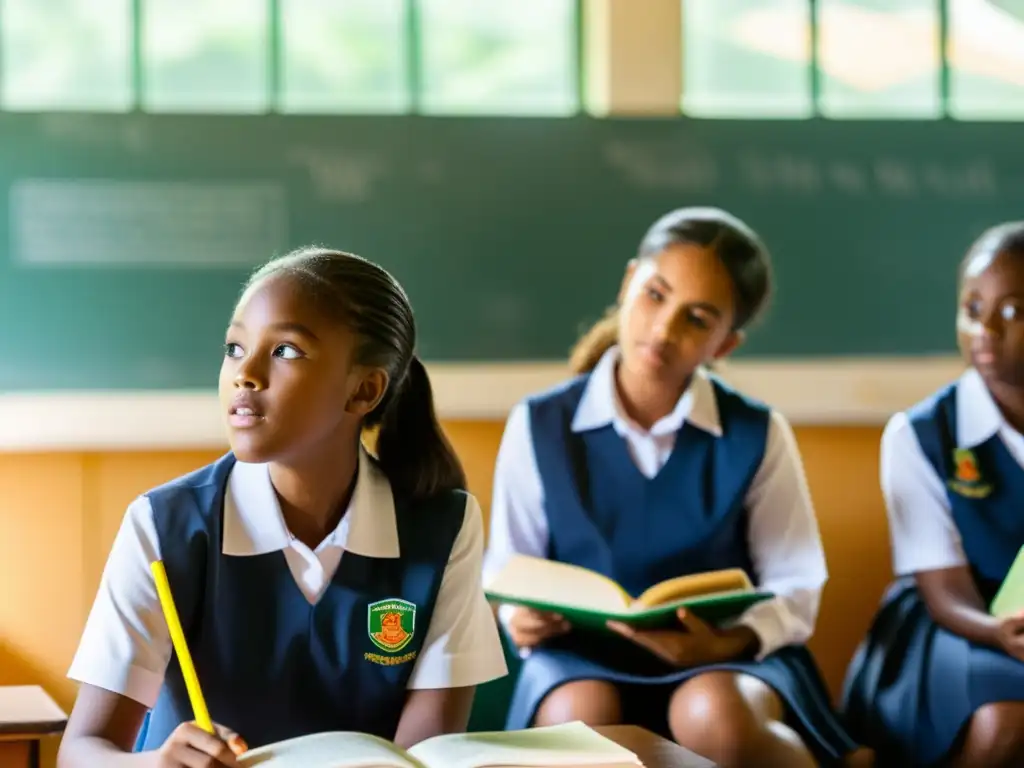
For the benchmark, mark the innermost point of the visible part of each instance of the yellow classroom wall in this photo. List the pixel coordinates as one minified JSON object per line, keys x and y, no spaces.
{"x":62,"y":510}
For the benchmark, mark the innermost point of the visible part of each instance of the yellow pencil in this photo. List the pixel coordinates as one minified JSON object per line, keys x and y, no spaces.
{"x":188,"y":671}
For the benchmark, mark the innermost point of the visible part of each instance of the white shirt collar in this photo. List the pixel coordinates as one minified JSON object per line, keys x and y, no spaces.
{"x":977,"y":415}
{"x":600,"y":404}
{"x":254,"y":525}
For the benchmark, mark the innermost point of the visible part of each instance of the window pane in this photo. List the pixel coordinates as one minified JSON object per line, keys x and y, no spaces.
{"x":986,"y":57}
{"x":205,"y":56}
{"x":66,"y":54}
{"x":344,"y":56}
{"x":880,"y":58}
{"x":746,"y":58}
{"x":499,"y":56}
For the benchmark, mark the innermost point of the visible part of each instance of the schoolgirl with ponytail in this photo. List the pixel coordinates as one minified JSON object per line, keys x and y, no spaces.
{"x":321,"y":588}
{"x":646,"y":466}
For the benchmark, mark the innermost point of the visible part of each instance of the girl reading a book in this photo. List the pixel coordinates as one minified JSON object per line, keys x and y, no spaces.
{"x":939,"y":678}
{"x":646,"y":467}
{"x":320,"y":588}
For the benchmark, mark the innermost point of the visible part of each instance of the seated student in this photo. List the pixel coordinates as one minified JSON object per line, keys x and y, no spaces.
{"x":278,"y":552}
{"x":940,"y":680}
{"x":645,"y":467}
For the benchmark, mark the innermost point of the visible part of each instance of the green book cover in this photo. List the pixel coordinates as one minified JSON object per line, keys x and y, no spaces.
{"x":714,"y":609}
{"x":1010,"y":597}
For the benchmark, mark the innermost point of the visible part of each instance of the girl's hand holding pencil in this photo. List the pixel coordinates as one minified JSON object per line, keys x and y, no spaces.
{"x":190,"y":746}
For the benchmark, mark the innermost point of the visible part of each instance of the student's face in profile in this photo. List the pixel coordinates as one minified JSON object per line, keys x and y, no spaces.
{"x":287,"y":384}
{"x":990,"y":319}
{"x":676,"y":312}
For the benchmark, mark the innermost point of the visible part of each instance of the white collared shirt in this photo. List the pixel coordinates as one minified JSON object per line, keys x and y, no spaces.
{"x":782,"y":532}
{"x":125,"y":647}
{"x":924,"y":535}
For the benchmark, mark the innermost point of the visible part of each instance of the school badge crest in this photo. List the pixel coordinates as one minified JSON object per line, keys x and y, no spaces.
{"x":967,"y":479}
{"x":391,"y":623}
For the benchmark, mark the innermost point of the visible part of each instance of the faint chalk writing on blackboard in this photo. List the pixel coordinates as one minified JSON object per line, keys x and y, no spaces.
{"x":129,"y":132}
{"x":883,"y":175}
{"x":338,"y":176}
{"x":696,"y":170}
{"x":118,"y":223}
{"x":685,"y":169}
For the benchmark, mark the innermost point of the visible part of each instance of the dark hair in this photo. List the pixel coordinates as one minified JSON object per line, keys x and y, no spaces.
{"x":1007,"y":237}
{"x":418,"y":460}
{"x":741,"y":251}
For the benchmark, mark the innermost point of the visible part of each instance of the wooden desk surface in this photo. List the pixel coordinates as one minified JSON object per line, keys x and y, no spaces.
{"x":653,"y":750}
{"x":28,"y":709}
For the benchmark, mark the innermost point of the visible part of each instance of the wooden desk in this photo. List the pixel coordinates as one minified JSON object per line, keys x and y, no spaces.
{"x":653,"y":750}
{"x":27,"y":715}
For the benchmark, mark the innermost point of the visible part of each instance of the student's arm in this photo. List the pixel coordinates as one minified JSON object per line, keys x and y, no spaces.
{"x":925,"y":540}
{"x":462,"y":648}
{"x":429,"y":713}
{"x":954,"y":603}
{"x":103,"y":728}
{"x":122,"y":658}
{"x":785,"y":546}
{"x":124,"y":650}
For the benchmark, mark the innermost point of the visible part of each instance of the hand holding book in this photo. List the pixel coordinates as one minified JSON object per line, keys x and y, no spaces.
{"x":694,"y":643}
{"x":529,"y":627}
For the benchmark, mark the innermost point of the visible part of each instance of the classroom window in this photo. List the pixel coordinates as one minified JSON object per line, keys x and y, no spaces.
{"x":65,"y":55}
{"x":746,"y":58}
{"x":879,"y":58}
{"x":344,"y":56}
{"x":498,"y":57}
{"x":986,"y":59}
{"x":205,"y":55}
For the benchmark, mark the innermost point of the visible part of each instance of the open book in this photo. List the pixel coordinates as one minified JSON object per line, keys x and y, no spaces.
{"x":572,"y":744}
{"x":588,"y":599}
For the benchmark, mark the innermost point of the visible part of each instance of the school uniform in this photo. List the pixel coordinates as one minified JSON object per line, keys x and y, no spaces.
{"x":717,"y":483}
{"x":288,"y":640}
{"x":952,"y":474}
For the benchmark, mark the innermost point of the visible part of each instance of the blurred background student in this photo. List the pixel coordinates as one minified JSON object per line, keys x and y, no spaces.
{"x":646,"y":467}
{"x":939,"y":678}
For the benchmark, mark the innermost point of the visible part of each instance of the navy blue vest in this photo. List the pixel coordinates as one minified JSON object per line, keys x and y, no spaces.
{"x":985,"y":488}
{"x":603,"y":514}
{"x":271,"y":665}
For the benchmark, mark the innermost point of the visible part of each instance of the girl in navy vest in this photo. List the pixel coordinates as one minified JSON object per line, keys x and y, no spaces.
{"x":939,"y":679}
{"x":320,"y":588}
{"x":645,"y":467}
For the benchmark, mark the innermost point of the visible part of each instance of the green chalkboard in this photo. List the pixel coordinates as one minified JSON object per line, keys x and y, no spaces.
{"x":127,"y":236}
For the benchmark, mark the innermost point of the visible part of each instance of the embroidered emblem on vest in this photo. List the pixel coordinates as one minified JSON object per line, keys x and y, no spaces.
{"x":391,"y":623}
{"x":967,"y":479}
